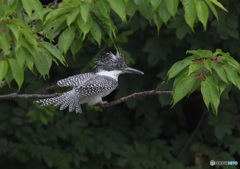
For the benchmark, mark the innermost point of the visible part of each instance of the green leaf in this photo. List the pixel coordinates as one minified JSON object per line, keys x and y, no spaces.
{"x":3,"y":69}
{"x":163,"y":12}
{"x":5,"y":43}
{"x":85,"y":8}
{"x":219,"y":5}
{"x":200,"y":53}
{"x":56,"y":30}
{"x":212,"y":8}
{"x":230,"y":61}
{"x":29,"y":37}
{"x":181,"y":87}
{"x":17,"y":72}
{"x":20,"y":24}
{"x":91,"y":38}
{"x":76,"y":46}
{"x":131,"y":8}
{"x":14,"y":29}
{"x":9,"y":76}
{"x":85,"y":27}
{"x":38,"y":8}
{"x":66,"y":38}
{"x":202,"y":13}
{"x":146,"y":10}
{"x":237,"y":68}
{"x":210,"y":94}
{"x":208,"y":64}
{"x":158,"y":21}
{"x":105,"y":23}
{"x":177,"y":68}
{"x":118,"y":7}
{"x":44,"y":119}
{"x":20,"y":55}
{"x":232,"y":75}
{"x":222,"y":86}
{"x":30,"y":48}
{"x":72,"y":16}
{"x":96,"y":32}
{"x":194,"y":67}
{"x":172,"y":6}
{"x":104,"y":7}
{"x":155,"y":4}
{"x":190,"y":12}
{"x":220,"y":71}
{"x":29,"y":60}
{"x":55,"y":22}
{"x":205,"y":93}
{"x":195,"y":86}
{"x":53,"y":50}
{"x":57,"y":13}
{"x":43,"y":62}
{"x":27,"y":6}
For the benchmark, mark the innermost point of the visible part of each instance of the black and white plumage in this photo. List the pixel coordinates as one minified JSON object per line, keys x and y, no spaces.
{"x":90,"y":87}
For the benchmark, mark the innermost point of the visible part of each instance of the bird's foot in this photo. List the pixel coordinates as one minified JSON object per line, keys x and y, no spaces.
{"x":103,"y":102}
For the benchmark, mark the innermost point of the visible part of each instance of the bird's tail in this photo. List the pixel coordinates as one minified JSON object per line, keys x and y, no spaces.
{"x":67,"y":99}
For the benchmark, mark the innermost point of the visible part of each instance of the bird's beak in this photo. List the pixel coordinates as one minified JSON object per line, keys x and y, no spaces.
{"x":133,"y":71}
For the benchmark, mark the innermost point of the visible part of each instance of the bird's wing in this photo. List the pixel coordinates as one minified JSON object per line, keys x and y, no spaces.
{"x":76,"y":80}
{"x":94,"y":86}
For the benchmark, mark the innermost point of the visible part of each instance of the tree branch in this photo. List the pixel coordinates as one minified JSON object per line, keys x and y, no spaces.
{"x":109,"y":104}
{"x":193,"y":134}
{"x":27,"y":96}
{"x":47,"y":89}
{"x":134,"y":95}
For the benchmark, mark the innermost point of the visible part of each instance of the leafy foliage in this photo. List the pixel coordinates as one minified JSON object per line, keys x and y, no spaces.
{"x":73,"y":20}
{"x":215,"y":71}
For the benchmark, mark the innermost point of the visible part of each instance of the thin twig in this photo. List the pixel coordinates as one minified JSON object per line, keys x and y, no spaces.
{"x":134,"y":95}
{"x":22,"y":13}
{"x":160,"y":86}
{"x":27,"y":96}
{"x":51,"y":88}
{"x":188,"y":142}
{"x":31,"y":24}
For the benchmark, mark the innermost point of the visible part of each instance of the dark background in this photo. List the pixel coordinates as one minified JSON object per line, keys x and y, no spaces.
{"x":144,"y":133}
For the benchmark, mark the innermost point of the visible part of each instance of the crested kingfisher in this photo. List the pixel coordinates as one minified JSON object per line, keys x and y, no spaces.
{"x":89,"y":88}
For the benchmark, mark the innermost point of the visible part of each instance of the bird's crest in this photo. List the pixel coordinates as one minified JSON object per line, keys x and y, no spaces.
{"x":109,"y":59}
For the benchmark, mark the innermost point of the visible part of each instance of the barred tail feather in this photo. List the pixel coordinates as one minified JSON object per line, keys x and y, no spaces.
{"x":65,"y":100}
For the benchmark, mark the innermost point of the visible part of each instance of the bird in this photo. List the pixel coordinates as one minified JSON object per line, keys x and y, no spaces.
{"x":89,"y":88}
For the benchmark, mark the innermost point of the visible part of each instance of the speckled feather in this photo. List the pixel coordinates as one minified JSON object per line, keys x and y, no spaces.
{"x":99,"y":86}
{"x":75,"y":80}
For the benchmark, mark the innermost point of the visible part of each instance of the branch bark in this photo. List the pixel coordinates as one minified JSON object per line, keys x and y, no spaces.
{"x":134,"y":95}
{"x":27,"y":96}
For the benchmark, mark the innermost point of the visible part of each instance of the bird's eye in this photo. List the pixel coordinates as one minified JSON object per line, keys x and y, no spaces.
{"x":118,"y":65}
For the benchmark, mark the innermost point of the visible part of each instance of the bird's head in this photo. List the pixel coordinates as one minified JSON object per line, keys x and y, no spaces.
{"x":109,"y":62}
